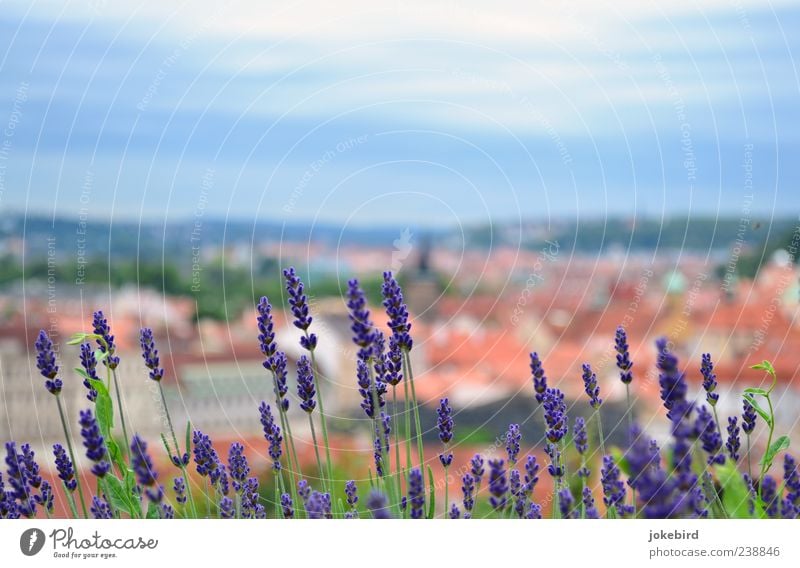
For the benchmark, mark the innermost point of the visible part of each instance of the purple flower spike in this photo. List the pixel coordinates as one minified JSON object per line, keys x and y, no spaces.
{"x":305,"y":385}
{"x":555,"y":415}
{"x":378,"y":505}
{"x":624,"y":363}
{"x":364,"y":332}
{"x":101,"y":328}
{"x":591,"y":387}
{"x":732,"y":444}
{"x":237,"y":466}
{"x":498,"y":485}
{"x":94,"y":443}
{"x":454,"y":512}
{"x":416,"y":497}
{"x":287,"y":507}
{"x":566,"y":503}
{"x":706,"y":426}
{"x":397,"y":311}
{"x":142,"y":465}
{"x":89,"y":364}
{"x":468,"y":489}
{"x":477,"y":469}
{"x":513,"y":437}
{"x":46,"y":362}
{"x":748,"y":418}
{"x":179,"y":486}
{"x":150,"y":354}
{"x":272,"y":433}
{"x":709,"y":379}
{"x":65,"y":468}
{"x":298,"y":301}
{"x":539,"y":378}
{"x":100,"y":509}
{"x":588,"y":504}
{"x":226,"y":510}
{"x":613,"y":487}
{"x":266,"y":329}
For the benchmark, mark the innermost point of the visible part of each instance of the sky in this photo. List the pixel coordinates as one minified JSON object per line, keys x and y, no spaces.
{"x":427,"y":112}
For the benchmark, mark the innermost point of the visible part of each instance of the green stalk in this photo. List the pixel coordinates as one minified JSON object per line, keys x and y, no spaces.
{"x":600,"y":432}
{"x":630,"y":405}
{"x":407,"y":412}
{"x":291,"y":451}
{"x":417,"y":423}
{"x":396,"y":426}
{"x":316,"y":452}
{"x":121,"y":414}
{"x":315,"y":372}
{"x":769,"y":445}
{"x":70,"y":500}
{"x":749,"y":460}
{"x":177,"y":448}
{"x":71,"y":453}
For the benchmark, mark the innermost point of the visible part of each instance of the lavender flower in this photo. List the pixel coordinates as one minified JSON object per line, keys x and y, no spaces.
{"x":498,"y":485}
{"x":732,"y":444}
{"x":319,"y":506}
{"x":672,"y":383}
{"x":277,"y":364}
{"x":272,"y":433}
{"x":534,"y":511}
{"x":580,"y":437}
{"x":769,"y":494}
{"x":468,"y":489}
{"x":66,"y":471}
{"x":591,"y":387}
{"x":166,"y":511}
{"x":531,"y":474}
{"x":46,"y":362}
{"x":205,"y":456}
{"x":305,"y":385}
{"x":303,"y":490}
{"x":94,"y":443}
{"x":588,"y":504}
{"x":748,"y":417}
{"x":706,"y":426}
{"x":445,"y":424}
{"x":142,"y":466}
{"x":392,"y":362}
{"x":791,"y":478}
{"x":555,"y":415}
{"x":477,"y":470}
{"x":226,"y":510}
{"x":251,"y":508}
{"x":179,"y":486}
{"x":539,"y":378}
{"x":100,"y":509}
{"x":363,"y":330}
{"x":287,"y":507}
{"x":266,"y":331}
{"x":416,"y":497}
{"x":150,"y":354}
{"x":709,"y":379}
{"x":513,"y":437}
{"x":372,"y":392}
{"x":298,"y":301}
{"x":377,"y":505}
{"x":89,"y":364}
{"x":454,"y":512}
{"x":237,"y":466}
{"x":566,"y":503}
{"x":351,"y":493}
{"x":101,"y":328}
{"x":624,"y":363}
{"x":517,"y":491}
{"x":555,"y":468}
{"x":613,"y":487}
{"x":45,"y":496}
{"x":397,"y":311}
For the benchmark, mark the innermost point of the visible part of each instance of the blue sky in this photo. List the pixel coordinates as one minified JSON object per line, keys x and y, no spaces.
{"x":428,"y":112}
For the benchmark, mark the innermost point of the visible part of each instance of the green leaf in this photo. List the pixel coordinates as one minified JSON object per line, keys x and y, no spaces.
{"x":756,"y":390}
{"x":431,"y":494}
{"x":119,"y":496}
{"x":152,"y":511}
{"x":76,"y":339}
{"x":735,"y":494}
{"x":765,"y":366}
{"x":761,"y":412}
{"x":777,"y":446}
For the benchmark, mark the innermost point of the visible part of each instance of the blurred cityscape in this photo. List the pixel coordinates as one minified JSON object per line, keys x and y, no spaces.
{"x":481,"y":301}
